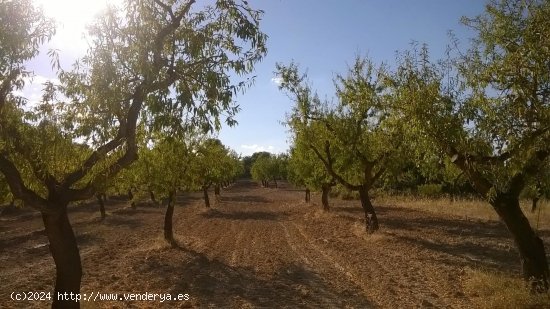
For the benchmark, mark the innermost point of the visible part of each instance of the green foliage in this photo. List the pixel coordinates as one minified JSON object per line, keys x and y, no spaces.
{"x":164,"y":168}
{"x":430,"y":190}
{"x":214,"y":164}
{"x":262,"y":168}
{"x":170,"y":67}
{"x":268,"y":167}
{"x":24,"y":29}
{"x":305,"y":169}
{"x":492,"y":117}
{"x":488,"y":112}
{"x":354,"y":139}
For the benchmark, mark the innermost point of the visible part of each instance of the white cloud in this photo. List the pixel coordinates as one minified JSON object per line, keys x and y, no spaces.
{"x":277,"y":80}
{"x":34,"y":85}
{"x":250,"y":149}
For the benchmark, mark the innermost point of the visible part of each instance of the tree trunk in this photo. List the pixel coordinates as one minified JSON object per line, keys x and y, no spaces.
{"x":275,"y":180}
{"x":217,"y":193}
{"x":206,"y":199}
{"x":371,"y":221}
{"x":131,"y":197}
{"x":324,"y":197}
{"x":531,"y":248}
{"x":534,"y":201}
{"x":168,"y":230}
{"x":308,"y":195}
{"x":101,"y":201}
{"x":66,"y":256}
{"x":153,"y":199}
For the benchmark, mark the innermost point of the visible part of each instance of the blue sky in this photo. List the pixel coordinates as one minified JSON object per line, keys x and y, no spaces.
{"x":322,"y":36}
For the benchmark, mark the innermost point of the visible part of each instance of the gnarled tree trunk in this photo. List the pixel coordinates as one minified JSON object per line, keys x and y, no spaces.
{"x":101,"y":200}
{"x":324,"y":196}
{"x":371,"y":221}
{"x":206,"y":198}
{"x":153,"y":198}
{"x":66,"y":256}
{"x":168,"y":219}
{"x":131,"y":197}
{"x":534,"y":202}
{"x":217,"y":193}
{"x":308,"y":195}
{"x":531,"y":248}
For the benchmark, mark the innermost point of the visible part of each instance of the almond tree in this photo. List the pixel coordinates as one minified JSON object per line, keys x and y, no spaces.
{"x":268,"y":167}
{"x":159,"y":58}
{"x":165,"y":169}
{"x":355,"y":139}
{"x":213,"y":166}
{"x":305,"y":169}
{"x":488,"y":111}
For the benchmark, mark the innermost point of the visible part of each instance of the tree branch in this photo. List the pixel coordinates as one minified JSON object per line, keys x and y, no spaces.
{"x":328,"y":165}
{"x":18,"y":188}
{"x":478,"y":181}
{"x":517,"y":183}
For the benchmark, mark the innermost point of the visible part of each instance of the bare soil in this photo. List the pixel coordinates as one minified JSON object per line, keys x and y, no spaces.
{"x":261,"y":247}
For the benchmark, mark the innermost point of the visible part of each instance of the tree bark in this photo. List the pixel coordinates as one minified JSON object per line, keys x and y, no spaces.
{"x":217,"y":193}
{"x":64,"y":250}
{"x":371,"y":221}
{"x":531,"y":248}
{"x":308,"y":195}
{"x":534,"y":202}
{"x":168,"y":219}
{"x":153,"y":199}
{"x":131,"y":197}
{"x":324,"y":197}
{"x":205,"y":194}
{"x":101,"y":201}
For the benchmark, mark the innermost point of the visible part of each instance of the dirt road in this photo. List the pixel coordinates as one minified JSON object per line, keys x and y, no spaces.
{"x":258,"y":248}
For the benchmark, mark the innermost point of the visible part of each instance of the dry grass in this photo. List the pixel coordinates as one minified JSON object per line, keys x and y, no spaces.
{"x":486,"y":289}
{"x":468,"y":208}
{"x":495,"y":290}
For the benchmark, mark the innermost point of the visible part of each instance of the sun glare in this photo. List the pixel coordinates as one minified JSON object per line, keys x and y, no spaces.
{"x":71,"y":17}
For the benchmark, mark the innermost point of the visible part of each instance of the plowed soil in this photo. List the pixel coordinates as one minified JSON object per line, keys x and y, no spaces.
{"x":260,"y":248}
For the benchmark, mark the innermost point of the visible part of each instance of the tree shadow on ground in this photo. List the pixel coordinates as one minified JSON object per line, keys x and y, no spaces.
{"x":244,"y":215}
{"x":472,"y":243}
{"x":114,"y":220}
{"x":392,"y":217}
{"x":128,"y":211}
{"x":351,"y":210}
{"x":187,"y":199}
{"x":212,"y":283}
{"x":245,"y":199}
{"x":14,"y":241}
{"x":469,"y":254}
{"x":468,"y":243}
{"x":88,"y":238}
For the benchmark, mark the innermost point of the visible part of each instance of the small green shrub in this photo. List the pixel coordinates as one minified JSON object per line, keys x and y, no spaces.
{"x":430,"y":190}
